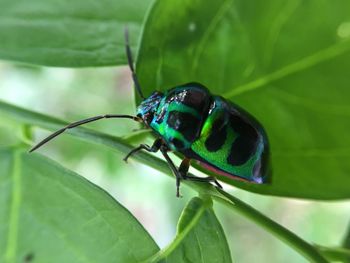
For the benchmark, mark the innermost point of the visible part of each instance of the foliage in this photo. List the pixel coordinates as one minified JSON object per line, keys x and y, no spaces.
{"x":68,"y":34}
{"x":283,"y":62}
{"x":63,"y":222}
{"x":286,"y":62}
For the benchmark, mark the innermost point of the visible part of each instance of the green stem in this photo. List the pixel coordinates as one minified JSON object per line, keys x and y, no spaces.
{"x":338,"y":254}
{"x":137,"y":135}
{"x":120,"y":145}
{"x":346,"y":241}
{"x":288,"y":237}
{"x":52,"y":124}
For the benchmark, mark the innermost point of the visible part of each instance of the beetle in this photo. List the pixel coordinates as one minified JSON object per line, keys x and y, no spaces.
{"x":188,"y":119}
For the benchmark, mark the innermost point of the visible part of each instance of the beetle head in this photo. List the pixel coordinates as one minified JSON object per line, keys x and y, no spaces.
{"x":148,"y":107}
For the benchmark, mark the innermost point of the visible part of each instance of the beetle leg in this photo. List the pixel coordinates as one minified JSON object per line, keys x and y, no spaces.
{"x":154,"y":148}
{"x":208,"y":179}
{"x":173,"y":168}
{"x":184,"y":166}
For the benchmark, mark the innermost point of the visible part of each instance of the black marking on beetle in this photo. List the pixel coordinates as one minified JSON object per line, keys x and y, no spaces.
{"x":185,"y":123}
{"x":217,"y":136}
{"x":245,"y":144}
{"x":177,"y":143}
{"x":196,"y":98}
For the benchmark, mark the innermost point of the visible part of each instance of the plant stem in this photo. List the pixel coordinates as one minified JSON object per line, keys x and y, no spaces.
{"x":219,"y":195}
{"x":300,"y":245}
{"x":346,"y":241}
{"x":335,"y":253}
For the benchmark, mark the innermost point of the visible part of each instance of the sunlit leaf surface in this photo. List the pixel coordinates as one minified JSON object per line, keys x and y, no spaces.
{"x":286,"y":62}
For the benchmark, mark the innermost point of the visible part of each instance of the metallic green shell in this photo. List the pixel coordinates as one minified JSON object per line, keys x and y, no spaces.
{"x":220,"y":135}
{"x":218,"y":158}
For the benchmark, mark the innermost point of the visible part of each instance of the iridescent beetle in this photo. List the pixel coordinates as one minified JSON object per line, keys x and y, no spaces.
{"x":188,"y":119}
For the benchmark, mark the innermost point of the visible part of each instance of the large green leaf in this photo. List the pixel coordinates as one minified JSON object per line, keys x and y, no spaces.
{"x":51,"y":214}
{"x":286,"y":62}
{"x":68,"y":33}
{"x":199,"y":238}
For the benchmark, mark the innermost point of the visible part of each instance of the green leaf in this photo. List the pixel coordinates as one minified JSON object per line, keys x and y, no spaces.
{"x":199,"y":238}
{"x":286,"y":62}
{"x":68,"y":33}
{"x":51,"y":214}
{"x":206,"y":241}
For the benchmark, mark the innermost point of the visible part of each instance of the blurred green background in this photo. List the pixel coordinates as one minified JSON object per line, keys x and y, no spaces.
{"x":74,"y":94}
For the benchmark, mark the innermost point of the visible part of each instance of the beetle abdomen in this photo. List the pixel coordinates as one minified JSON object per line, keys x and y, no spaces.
{"x":231,"y":142}
{"x":213,"y":131}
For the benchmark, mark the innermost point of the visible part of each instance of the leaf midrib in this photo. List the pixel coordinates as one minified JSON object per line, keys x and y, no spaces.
{"x":12,"y":237}
{"x":302,"y":64}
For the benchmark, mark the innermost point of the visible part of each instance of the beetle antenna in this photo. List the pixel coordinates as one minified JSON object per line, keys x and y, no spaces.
{"x":131,"y":63}
{"x":81,"y":122}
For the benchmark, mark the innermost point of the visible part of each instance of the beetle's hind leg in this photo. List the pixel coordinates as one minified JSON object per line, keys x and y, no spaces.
{"x":183,"y":169}
{"x":172,"y":166}
{"x":180,"y":173}
{"x":154,"y":148}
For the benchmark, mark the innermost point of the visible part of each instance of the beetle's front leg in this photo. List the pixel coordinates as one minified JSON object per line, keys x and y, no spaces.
{"x":154,"y":148}
{"x":183,"y":169}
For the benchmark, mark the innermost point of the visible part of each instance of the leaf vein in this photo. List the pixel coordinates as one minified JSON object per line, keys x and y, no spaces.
{"x":303,"y":64}
{"x":335,"y":109}
{"x":211,"y":27}
{"x":12,"y":238}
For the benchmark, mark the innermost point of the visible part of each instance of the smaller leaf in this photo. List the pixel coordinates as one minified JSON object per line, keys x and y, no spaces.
{"x":201,"y":236}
